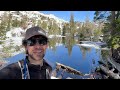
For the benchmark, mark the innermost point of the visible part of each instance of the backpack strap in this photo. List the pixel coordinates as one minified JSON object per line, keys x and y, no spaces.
{"x":47,"y":74}
{"x":24,"y":69}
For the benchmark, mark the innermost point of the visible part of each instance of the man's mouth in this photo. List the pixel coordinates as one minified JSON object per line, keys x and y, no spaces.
{"x":37,"y":51}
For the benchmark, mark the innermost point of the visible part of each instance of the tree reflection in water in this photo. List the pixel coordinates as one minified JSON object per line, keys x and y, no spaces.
{"x":74,"y":58}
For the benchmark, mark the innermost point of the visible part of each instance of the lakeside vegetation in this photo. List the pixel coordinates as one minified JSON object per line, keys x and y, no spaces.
{"x":106,"y":25}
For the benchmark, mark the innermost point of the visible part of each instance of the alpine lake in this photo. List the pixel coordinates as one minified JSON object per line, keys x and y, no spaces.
{"x":67,"y":51}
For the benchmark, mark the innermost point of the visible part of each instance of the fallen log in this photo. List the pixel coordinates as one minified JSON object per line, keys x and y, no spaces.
{"x":114,"y":64}
{"x":68,"y":69}
{"x":110,"y":73}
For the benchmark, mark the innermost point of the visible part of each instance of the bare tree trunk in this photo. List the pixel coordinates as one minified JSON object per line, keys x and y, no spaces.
{"x":113,"y":23}
{"x":112,"y":29}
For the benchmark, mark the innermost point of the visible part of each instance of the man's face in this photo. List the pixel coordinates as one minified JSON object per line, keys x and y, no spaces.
{"x":36,"y":47}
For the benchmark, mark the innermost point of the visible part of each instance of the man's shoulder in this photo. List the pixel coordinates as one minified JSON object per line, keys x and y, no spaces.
{"x":10,"y":71}
{"x":11,"y":66}
{"x":16,"y":63}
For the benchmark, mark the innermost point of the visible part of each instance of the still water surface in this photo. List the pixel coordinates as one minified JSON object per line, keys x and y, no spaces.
{"x":67,"y":51}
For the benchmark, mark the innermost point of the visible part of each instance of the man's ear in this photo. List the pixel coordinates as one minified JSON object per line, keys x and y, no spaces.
{"x":47,"y":45}
{"x":25,"y":47}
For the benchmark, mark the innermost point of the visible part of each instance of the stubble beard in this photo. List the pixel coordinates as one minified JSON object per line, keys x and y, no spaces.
{"x":36,"y":57}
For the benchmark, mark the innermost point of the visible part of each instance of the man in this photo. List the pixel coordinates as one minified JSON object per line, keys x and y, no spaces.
{"x":33,"y":66}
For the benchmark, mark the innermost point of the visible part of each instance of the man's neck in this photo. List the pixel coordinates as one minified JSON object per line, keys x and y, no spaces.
{"x":36,"y":62}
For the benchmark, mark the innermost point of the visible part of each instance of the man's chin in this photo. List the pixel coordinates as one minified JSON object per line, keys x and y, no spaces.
{"x":37,"y":58}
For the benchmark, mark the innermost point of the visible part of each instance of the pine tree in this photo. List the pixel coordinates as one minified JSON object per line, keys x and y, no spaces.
{"x":54,"y":28}
{"x":9,"y":21}
{"x":4,"y":26}
{"x":111,"y":30}
{"x":44,"y":25}
{"x":72,"y":25}
{"x":64,"y":30}
{"x":24,"y":22}
{"x":50,"y":28}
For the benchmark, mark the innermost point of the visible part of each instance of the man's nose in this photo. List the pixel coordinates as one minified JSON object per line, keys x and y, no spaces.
{"x":37,"y":45}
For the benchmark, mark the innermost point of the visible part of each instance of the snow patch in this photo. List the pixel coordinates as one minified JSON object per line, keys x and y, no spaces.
{"x":1,"y":13}
{"x":16,"y":32}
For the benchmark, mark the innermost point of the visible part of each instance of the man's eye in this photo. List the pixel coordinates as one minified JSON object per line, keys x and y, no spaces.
{"x":44,"y":42}
{"x":29,"y":42}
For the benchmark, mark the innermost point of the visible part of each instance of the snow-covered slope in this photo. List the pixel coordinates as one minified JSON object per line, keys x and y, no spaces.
{"x":54,"y":17}
{"x":13,"y":42}
{"x":48,"y":15}
{"x":15,"y":34}
{"x":33,"y":14}
{"x":1,"y":12}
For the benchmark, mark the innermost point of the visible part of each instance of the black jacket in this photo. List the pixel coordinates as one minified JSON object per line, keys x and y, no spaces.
{"x":13,"y":71}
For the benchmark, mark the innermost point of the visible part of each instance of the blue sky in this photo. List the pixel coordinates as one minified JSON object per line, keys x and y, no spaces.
{"x":78,"y":15}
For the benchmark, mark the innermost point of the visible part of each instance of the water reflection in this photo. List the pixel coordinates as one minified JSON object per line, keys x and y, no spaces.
{"x":70,"y":41}
{"x":65,"y":51}
{"x":68,"y":53}
{"x":67,"y":41}
{"x":84,"y":51}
